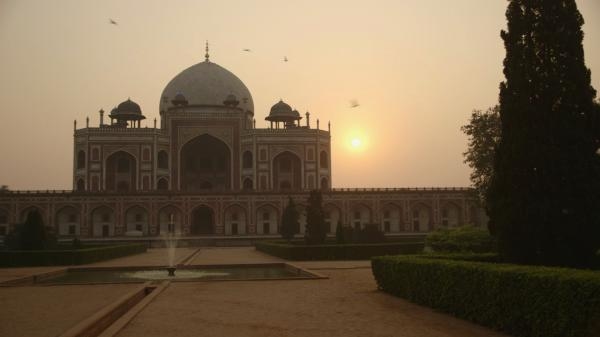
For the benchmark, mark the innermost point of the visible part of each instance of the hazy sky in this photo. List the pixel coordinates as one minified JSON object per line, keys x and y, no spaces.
{"x":417,"y":67}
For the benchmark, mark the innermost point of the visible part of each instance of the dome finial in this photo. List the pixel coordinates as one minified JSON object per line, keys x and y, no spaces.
{"x":206,"y":56}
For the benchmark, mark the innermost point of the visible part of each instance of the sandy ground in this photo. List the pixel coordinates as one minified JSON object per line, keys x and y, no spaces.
{"x":51,"y":310}
{"x":346,"y":305}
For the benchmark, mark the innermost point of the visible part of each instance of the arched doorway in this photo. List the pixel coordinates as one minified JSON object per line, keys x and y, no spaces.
{"x":121,"y":171}
{"x":205,"y":165}
{"x":286,"y":171}
{"x":202,"y":221}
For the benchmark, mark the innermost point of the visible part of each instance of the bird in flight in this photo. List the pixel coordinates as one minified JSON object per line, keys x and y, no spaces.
{"x":113,"y":22}
{"x":248,"y":50}
{"x":354,"y":103}
{"x":285,"y":59}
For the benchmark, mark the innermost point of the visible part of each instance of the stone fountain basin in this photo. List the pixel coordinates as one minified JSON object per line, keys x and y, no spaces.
{"x":140,"y":274}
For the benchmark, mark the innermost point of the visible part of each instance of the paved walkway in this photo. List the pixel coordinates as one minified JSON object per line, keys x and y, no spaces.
{"x":347,"y":304}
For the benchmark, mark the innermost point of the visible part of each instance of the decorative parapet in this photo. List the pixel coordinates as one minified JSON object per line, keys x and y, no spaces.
{"x":132,"y":131}
{"x":238,"y":192}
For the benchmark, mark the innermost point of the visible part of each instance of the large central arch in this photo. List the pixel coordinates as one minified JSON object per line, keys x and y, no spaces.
{"x":203,"y":219}
{"x":287,"y":171}
{"x":205,"y":164}
{"x":121,"y":171}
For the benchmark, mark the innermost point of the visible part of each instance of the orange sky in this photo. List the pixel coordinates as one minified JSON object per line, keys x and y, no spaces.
{"x":417,"y":68}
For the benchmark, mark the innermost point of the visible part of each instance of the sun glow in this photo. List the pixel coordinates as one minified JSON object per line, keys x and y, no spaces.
{"x":356,"y":143}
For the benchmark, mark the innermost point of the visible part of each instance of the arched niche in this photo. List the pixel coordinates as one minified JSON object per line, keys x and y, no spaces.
{"x":205,"y":164}
{"x":121,"y":172}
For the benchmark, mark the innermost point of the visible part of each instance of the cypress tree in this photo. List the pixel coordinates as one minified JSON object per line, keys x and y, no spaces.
{"x":316,"y":231}
{"x":289,"y":220}
{"x":544,"y":197}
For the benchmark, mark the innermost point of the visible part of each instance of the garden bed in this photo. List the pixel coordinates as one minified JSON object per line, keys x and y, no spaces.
{"x":356,"y":251}
{"x":61,"y":257}
{"x":520,"y":300}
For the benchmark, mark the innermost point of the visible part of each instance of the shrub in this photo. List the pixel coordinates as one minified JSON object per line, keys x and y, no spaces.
{"x":521,"y":300}
{"x":316,"y":228}
{"x":337,"y":251}
{"x":461,"y":239}
{"x":31,"y":235}
{"x":371,"y":234}
{"x":19,"y":258}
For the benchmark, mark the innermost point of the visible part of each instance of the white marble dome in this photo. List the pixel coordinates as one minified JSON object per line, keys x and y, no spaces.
{"x":206,"y":83}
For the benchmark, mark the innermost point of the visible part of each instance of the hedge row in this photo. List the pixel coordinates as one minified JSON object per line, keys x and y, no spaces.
{"x":20,"y":258}
{"x":337,"y":251}
{"x":462,"y":239}
{"x":526,"y":301}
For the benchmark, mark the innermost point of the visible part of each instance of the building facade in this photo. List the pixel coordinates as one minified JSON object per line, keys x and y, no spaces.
{"x":208,"y":170}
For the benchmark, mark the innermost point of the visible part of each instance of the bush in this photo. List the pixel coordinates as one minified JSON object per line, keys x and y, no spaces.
{"x":521,"y":300}
{"x":371,"y":234}
{"x":461,"y":239}
{"x":31,"y":235}
{"x":337,"y":251}
{"x":59,"y":257}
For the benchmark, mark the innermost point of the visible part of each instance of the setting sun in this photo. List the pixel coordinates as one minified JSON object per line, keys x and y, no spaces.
{"x":356,"y":143}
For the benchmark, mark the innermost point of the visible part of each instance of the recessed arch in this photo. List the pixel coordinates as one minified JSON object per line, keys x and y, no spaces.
{"x":235,"y":220}
{"x":323,"y":159}
{"x":450,"y":214}
{"x":121,"y":172}
{"x":203,"y":221}
{"x":102,"y":220}
{"x":361,"y":215}
{"x":68,"y":221}
{"x":287,"y":175}
{"x":169,"y":216}
{"x":391,"y":218}
{"x":205,"y":164}
{"x":25,"y":213}
{"x":267,"y":219}
{"x":162,"y":184}
{"x":324,"y":183}
{"x":136,"y":221}
{"x":421,"y":216}
{"x":247,"y":184}
{"x":80,"y":185}
{"x":333,"y":216}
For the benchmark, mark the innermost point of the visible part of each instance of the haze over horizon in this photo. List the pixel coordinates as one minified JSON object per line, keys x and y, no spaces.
{"x":417,"y":67}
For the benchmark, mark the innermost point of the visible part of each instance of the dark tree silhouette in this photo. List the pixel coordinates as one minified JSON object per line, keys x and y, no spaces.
{"x":544,"y":196}
{"x":316,"y":230}
{"x":289,"y":220}
{"x":31,"y":235}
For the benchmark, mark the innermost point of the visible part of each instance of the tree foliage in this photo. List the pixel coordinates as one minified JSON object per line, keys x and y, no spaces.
{"x":483,"y":131}
{"x":31,"y":235}
{"x":316,"y":229}
{"x":545,"y":189}
{"x":289,"y":220}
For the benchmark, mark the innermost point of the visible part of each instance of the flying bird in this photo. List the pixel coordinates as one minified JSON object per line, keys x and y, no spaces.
{"x":248,"y":50}
{"x":354,"y":103}
{"x":113,"y":22}
{"x":285,"y":59}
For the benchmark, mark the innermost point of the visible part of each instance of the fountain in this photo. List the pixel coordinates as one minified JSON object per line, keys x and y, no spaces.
{"x":171,"y":244}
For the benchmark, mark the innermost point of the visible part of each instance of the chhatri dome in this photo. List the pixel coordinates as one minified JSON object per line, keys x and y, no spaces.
{"x":206,"y":83}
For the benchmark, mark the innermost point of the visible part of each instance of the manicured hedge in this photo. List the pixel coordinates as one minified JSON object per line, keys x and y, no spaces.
{"x":461,"y":239}
{"x":520,"y":300}
{"x":19,"y":258}
{"x":338,"y":251}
